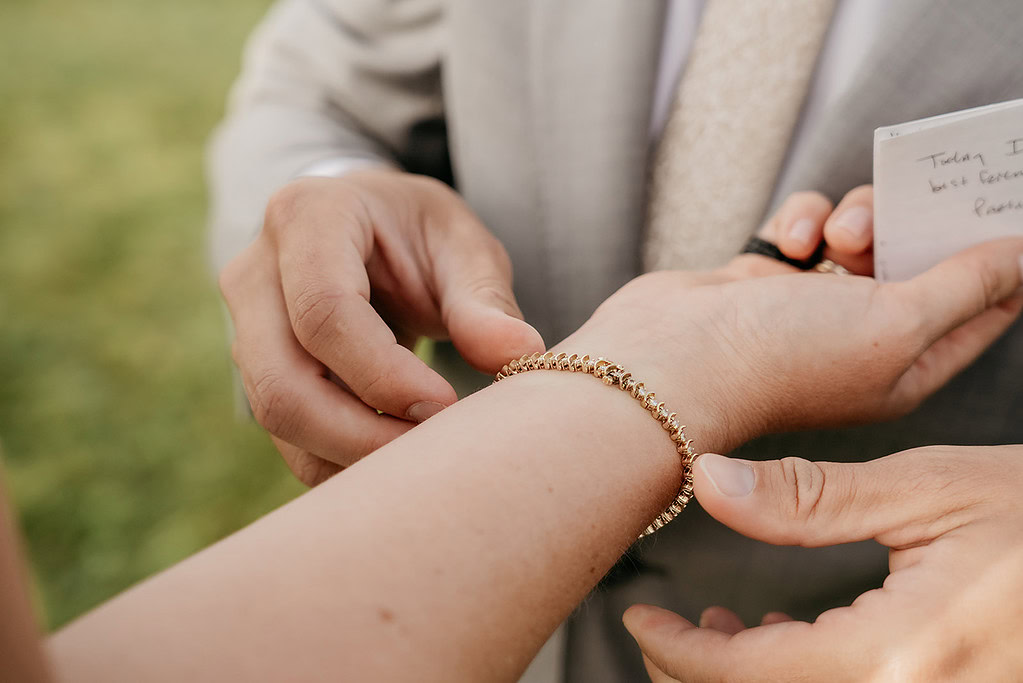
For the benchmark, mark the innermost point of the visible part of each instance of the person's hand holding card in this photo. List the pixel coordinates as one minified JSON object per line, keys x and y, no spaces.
{"x":944,"y":184}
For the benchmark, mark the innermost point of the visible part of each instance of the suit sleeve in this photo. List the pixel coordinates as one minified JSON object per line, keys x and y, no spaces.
{"x":321,"y":80}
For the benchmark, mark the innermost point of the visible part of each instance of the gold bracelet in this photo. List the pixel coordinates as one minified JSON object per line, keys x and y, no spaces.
{"x":613,"y":374}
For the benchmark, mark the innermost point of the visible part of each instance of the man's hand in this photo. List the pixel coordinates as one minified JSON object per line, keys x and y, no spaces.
{"x":808,"y":350}
{"x":805,"y":218}
{"x":328,"y":301}
{"x":951,"y":608}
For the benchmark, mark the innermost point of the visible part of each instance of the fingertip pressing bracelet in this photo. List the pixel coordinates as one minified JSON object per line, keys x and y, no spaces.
{"x":613,"y":374}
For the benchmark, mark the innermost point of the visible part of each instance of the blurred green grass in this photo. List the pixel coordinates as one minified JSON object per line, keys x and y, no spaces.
{"x":120,"y":441}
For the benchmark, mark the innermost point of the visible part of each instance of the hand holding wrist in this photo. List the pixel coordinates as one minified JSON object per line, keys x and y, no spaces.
{"x":807,"y":350}
{"x":328,"y":302}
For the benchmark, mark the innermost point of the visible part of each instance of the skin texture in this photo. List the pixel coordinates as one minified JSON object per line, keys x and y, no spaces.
{"x":948,"y":611}
{"x":445,"y":554}
{"x":327,"y":302}
{"x":347,"y":273}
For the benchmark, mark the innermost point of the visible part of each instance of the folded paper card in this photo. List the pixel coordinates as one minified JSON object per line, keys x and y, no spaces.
{"x":946,"y":183}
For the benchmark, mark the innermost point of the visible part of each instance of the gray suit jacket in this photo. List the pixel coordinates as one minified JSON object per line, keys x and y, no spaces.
{"x":546,"y":105}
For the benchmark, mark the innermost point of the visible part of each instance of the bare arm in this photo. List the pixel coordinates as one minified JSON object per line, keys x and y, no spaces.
{"x":453,"y":552}
{"x":473,"y":535}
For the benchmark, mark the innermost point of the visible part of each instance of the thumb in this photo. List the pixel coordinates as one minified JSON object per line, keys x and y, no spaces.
{"x":899,"y":499}
{"x":478,"y":305}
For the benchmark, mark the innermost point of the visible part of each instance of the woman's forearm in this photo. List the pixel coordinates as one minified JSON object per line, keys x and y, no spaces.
{"x":450,"y":554}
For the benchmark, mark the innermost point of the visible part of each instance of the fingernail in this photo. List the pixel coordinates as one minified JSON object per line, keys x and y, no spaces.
{"x":803,"y":231}
{"x":424,"y":410}
{"x":732,"y":478}
{"x":856,"y":221}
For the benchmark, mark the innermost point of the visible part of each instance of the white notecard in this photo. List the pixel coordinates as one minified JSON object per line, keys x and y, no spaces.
{"x":944,"y":184}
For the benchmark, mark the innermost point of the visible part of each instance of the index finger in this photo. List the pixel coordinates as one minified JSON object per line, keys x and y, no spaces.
{"x":791,"y":650}
{"x":327,"y":289}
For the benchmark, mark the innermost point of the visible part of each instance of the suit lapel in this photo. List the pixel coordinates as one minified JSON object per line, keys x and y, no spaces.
{"x":548,"y":106}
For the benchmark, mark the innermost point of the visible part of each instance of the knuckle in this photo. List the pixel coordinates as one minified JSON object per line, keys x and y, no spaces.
{"x":274,"y":405}
{"x":341,"y":201}
{"x":285,"y":204}
{"x":988,"y":282}
{"x":374,"y":386}
{"x":372,"y":389}
{"x":314,"y":316}
{"x":805,"y":481}
{"x":492,"y":288}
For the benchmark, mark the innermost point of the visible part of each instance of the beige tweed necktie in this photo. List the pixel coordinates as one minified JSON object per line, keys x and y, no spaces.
{"x":729,"y":128}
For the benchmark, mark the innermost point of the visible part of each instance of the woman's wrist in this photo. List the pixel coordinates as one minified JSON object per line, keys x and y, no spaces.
{"x":477,"y":531}
{"x":688,"y":378}
{"x":601,"y":428}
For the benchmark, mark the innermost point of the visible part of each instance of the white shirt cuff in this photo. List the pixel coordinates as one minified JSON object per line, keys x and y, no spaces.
{"x":337,"y":167}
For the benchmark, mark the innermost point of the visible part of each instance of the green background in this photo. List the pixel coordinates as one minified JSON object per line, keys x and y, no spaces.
{"x":121,"y":444}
